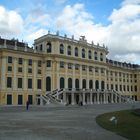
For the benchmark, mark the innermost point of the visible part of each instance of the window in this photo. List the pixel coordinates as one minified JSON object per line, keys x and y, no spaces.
{"x":135,"y":88}
{"x":83,"y":53}
{"x":19,"y":69}
{"x":101,"y":57}
{"x":76,"y":51}
{"x":19,"y":82}
{"x":95,"y":56}
{"x":135,"y":75}
{"x":39,"y":71}
{"x":69,"y":66}
{"x":29,"y":83}
{"x":30,"y":62}
{"x":61,"y":49}
{"x":39,"y":84}
{"x":83,"y":67}
{"x":9,"y":68}
{"x":49,"y":47}
{"x":41,"y":48}
{"x":61,"y":64}
{"x":9,"y":59}
{"x":29,"y":70}
{"x":9,"y":82}
{"x":39,"y":63}
{"x":96,"y":70}
{"x":102,"y":71}
{"x":48,"y":63}
{"x":89,"y":54}
{"x":90,"y":68}
{"x":69,"y":50}
{"x":20,"y":61}
{"x":77,"y":66}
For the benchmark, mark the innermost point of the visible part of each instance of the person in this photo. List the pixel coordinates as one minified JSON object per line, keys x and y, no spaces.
{"x":27,"y":105}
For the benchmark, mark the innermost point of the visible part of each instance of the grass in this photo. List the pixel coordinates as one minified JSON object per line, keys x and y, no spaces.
{"x":128,"y":124}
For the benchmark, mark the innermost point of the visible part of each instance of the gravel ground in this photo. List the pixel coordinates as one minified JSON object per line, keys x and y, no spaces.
{"x":57,"y":122}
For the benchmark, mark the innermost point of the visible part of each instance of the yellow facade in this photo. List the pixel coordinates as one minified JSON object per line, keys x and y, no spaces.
{"x":55,"y":64}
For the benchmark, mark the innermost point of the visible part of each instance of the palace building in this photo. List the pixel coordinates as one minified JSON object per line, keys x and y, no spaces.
{"x":63,"y":70}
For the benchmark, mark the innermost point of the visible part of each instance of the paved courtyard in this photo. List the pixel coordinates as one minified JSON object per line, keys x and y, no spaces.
{"x":56,"y":123}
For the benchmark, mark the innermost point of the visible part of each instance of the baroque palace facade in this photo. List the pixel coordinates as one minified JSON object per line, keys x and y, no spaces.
{"x":63,"y":70}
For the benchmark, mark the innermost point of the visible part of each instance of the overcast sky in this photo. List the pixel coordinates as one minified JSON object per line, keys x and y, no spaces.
{"x":116,"y":23}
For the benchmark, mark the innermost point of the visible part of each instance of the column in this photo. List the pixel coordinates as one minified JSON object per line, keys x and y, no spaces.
{"x":44,"y":76}
{"x":112,"y":98}
{"x":15,"y":76}
{"x":91,"y":98}
{"x":34,"y":75}
{"x":64,"y":98}
{"x":84,"y":98}
{"x":72,"y":98}
{"x":105,"y":81}
{"x":66,"y":75}
{"x":104,"y":97}
{"x":93,"y":78}
{"x":87,"y":83}
{"x":80,"y":82}
{"x":73,"y":76}
{"x":99,"y":78}
{"x":98,"y":98}
{"x":25,"y":75}
{"x":3,"y":73}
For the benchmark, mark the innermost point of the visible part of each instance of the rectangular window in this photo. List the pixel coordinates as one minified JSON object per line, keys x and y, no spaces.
{"x":90,"y":68}
{"x":135,"y":88}
{"x":39,"y":63}
{"x":19,"y":69}
{"x":9,"y":82}
{"x":9,"y":68}
{"x":77,"y":66}
{"x":48,"y":63}
{"x":30,"y":62}
{"x":9,"y":59}
{"x":102,"y":70}
{"x":20,"y":61}
{"x":69,"y":66}
{"x":29,"y":70}
{"x":29,"y":83}
{"x":61,"y":64}
{"x":39,"y":84}
{"x":96,"y":69}
{"x":83,"y":67}
{"x":39,"y":71}
{"x":19,"y":82}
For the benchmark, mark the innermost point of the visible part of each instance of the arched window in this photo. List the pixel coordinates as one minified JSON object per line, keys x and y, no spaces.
{"x":49,"y":47}
{"x":83,"y":53}
{"x":90,"y":84}
{"x":97,"y":84}
{"x":70,"y":83}
{"x":101,"y":57}
{"x":77,"y":83}
{"x":69,"y":50}
{"x":84,"y":83}
{"x":62,"y":83}
{"x":89,"y":54}
{"x":76,"y":51}
{"x":61,"y":49}
{"x":102,"y":85}
{"x":95,"y":56}
{"x":48,"y":83}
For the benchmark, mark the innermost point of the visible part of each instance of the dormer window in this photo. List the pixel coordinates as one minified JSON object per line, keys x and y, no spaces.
{"x":61,"y":49}
{"x":83,"y":53}
{"x":49,"y":47}
{"x":89,"y":54}
{"x":95,"y":56}
{"x":76,"y":51}
{"x":69,"y":50}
